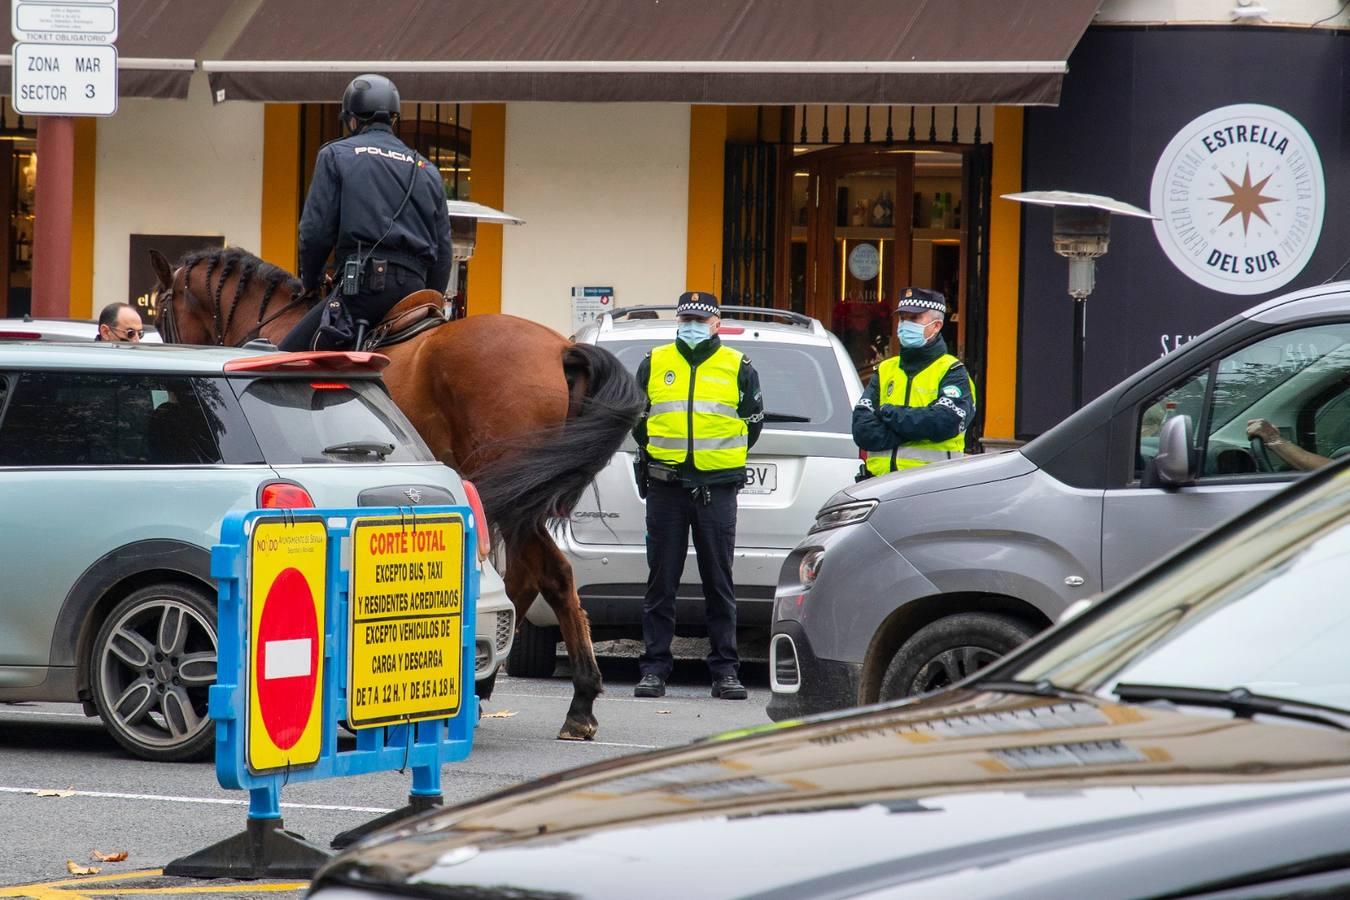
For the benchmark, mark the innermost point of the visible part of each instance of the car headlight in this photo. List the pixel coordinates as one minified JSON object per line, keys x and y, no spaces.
{"x":847,"y":514}
{"x":809,"y":567}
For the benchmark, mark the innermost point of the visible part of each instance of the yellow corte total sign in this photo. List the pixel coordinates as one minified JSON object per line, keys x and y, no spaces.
{"x":407,"y":619}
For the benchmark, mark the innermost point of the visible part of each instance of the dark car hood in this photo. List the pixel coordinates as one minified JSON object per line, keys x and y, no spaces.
{"x":984,"y":795}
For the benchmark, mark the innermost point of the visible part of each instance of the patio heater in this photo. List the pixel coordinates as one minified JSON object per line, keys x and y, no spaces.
{"x":464,"y":218}
{"x":1081,"y":232}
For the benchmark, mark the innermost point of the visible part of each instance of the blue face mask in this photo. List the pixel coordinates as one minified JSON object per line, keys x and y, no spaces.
{"x":693,"y":333}
{"x":911,"y":335}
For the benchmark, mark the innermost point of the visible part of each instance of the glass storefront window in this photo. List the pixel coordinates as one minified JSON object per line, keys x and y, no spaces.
{"x":939,"y":234}
{"x":863,"y":264}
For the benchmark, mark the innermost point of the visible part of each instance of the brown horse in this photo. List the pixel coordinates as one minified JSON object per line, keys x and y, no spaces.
{"x":525,"y":413}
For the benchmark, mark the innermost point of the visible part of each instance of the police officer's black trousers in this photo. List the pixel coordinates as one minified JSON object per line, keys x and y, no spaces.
{"x":369,"y":305}
{"x":672,"y":512}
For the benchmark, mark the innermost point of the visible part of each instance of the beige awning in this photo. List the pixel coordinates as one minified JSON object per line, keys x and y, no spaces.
{"x":158,"y":44}
{"x":692,"y":51}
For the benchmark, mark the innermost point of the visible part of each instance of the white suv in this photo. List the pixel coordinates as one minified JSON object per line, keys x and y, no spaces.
{"x":805,"y":454}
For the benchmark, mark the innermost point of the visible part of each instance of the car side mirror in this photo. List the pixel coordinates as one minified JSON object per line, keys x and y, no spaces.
{"x":1173,"y":466}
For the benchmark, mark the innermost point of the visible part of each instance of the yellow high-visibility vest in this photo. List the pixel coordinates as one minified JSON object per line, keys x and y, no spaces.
{"x":695,"y":410}
{"x":895,"y":388}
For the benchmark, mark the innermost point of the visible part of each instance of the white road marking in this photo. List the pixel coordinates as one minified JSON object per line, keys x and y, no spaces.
{"x":35,"y":712}
{"x":213,"y":801}
{"x":286,"y":659}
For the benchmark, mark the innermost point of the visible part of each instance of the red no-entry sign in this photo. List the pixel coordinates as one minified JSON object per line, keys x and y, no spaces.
{"x":287,"y":656}
{"x":286,"y":615}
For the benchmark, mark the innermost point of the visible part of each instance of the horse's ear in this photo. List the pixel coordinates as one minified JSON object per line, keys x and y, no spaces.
{"x":163,"y":271}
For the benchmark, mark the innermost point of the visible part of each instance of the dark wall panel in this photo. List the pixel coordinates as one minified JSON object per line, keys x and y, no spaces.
{"x":1128,"y":92}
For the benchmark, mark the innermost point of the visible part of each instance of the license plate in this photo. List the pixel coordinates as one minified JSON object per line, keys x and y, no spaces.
{"x":761,"y":478}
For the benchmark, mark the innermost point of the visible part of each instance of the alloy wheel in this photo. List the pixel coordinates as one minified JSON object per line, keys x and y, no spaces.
{"x":156,"y":661}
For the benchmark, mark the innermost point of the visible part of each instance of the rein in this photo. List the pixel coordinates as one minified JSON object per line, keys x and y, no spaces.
{"x":302,"y":298}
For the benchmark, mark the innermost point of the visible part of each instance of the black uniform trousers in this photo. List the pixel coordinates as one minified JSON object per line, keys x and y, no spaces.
{"x":673,"y":511}
{"x":399,"y":282}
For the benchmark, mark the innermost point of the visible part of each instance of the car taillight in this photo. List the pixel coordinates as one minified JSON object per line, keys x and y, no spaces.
{"x":284,"y":495}
{"x":20,"y":336}
{"x":330,"y":385}
{"x":476,"y":504}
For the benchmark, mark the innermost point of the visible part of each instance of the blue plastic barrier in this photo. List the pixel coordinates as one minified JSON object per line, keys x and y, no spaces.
{"x":420,"y":740}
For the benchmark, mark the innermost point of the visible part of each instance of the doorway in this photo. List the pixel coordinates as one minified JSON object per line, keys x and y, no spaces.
{"x":867,"y":222}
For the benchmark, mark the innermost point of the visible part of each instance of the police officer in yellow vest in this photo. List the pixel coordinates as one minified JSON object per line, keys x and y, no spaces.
{"x":704,"y":412}
{"x":917,"y":407}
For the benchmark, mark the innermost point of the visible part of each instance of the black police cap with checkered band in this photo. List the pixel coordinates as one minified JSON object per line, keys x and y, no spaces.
{"x":698,"y":303}
{"x":922,"y":300}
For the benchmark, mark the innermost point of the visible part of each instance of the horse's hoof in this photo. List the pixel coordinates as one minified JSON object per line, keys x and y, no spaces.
{"x":573,"y":730}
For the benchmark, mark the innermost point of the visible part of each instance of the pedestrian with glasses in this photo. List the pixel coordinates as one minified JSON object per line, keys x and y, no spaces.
{"x":119,"y":323}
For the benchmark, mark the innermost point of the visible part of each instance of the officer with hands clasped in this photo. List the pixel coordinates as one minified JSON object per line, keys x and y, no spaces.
{"x":379,"y":207}
{"x":704,"y":412}
{"x":918,"y":405}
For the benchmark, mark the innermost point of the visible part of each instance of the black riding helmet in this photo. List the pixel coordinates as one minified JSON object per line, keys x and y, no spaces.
{"x":370,"y":98}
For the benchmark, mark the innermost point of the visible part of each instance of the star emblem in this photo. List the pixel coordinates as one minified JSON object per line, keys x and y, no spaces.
{"x":1246,"y":199}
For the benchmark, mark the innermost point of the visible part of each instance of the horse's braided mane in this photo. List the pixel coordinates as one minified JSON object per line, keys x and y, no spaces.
{"x":252,"y":268}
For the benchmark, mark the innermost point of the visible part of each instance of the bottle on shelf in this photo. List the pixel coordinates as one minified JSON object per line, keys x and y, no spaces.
{"x":935,"y":212}
{"x":956,"y":214}
{"x":947,"y":209}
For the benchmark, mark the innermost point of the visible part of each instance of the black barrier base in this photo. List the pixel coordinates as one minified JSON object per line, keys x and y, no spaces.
{"x":264,"y":850}
{"x":416,"y":804}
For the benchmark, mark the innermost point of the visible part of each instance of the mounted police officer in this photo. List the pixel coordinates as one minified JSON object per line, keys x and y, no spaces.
{"x":704,"y":413}
{"x":917,"y":407}
{"x":379,"y":207}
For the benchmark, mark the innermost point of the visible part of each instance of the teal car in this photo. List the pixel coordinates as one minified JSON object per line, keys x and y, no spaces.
{"x":117,"y":465}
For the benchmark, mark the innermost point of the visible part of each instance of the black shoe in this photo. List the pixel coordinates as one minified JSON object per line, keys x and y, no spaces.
{"x":651,"y":686}
{"x":728,"y":687}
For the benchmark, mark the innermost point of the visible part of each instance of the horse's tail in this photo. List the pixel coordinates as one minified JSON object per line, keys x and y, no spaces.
{"x":542,"y":476}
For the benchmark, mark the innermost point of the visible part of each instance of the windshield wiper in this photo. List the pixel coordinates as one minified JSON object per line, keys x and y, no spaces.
{"x":378,"y":448}
{"x":1041,"y":688}
{"x":1240,"y":701}
{"x":785,"y":417}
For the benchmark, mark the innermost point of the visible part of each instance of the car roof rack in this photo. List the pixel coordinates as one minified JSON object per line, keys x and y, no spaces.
{"x":786,"y":315}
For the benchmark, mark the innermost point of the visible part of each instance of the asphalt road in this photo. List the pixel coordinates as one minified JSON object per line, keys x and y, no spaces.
{"x":157,"y":812}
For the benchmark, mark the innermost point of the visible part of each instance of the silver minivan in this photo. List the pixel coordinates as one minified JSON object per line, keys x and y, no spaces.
{"x":907,"y":583}
{"x":804,"y":454}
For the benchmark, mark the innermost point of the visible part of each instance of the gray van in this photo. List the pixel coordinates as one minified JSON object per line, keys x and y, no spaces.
{"x":908,"y":583}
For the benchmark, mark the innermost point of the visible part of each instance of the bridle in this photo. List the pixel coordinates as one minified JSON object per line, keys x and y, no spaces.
{"x":169,"y":324}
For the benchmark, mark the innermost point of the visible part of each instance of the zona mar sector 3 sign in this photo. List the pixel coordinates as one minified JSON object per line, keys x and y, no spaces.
{"x":1240,"y":196}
